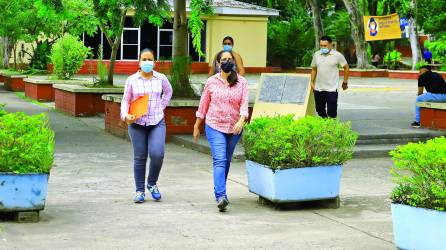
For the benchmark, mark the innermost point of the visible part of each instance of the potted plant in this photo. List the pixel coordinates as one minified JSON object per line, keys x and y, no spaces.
{"x":292,"y":160}
{"x":419,"y":197}
{"x":26,"y":157}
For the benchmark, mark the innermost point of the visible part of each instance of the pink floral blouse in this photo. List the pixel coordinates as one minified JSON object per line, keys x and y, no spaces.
{"x":221,"y":105}
{"x":159,"y":90}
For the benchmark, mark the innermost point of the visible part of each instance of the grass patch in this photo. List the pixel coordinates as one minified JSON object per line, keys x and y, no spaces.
{"x":21,"y":95}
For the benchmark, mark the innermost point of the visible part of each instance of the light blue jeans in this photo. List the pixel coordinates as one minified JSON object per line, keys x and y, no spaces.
{"x":427,"y":97}
{"x":222,"y":148}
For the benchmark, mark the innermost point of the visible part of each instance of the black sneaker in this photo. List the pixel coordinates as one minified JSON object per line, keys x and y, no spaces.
{"x":222,"y":203}
{"x":415,"y":124}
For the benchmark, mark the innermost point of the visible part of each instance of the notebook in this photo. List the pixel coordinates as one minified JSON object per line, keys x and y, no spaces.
{"x":140,"y":106}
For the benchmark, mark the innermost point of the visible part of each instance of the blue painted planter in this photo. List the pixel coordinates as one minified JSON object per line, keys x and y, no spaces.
{"x":418,"y":228}
{"x":296,"y":184}
{"x":22,"y":192}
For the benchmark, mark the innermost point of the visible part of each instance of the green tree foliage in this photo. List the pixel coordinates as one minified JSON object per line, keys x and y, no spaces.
{"x":432,"y":16}
{"x":111,"y":16}
{"x":26,"y":143}
{"x":44,"y":21}
{"x":196,"y":24}
{"x":281,"y":142}
{"x":420,"y":174}
{"x":68,"y":55}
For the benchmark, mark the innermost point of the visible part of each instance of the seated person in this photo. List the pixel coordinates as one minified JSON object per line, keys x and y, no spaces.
{"x":427,"y":55}
{"x":435,"y":90}
{"x":228,"y":44}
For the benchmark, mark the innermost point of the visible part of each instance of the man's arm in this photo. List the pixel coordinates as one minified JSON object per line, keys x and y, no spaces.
{"x":346,"y":75}
{"x":420,"y":90}
{"x":313,"y":77}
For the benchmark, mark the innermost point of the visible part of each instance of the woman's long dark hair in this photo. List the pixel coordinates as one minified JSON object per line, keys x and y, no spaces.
{"x":232,"y":78}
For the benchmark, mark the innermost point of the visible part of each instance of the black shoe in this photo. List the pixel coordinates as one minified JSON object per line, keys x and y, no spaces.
{"x":415,"y":124}
{"x":222,"y":203}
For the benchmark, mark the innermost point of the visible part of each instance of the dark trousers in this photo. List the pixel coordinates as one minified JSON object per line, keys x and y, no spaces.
{"x":148,"y":142}
{"x":326,"y":103}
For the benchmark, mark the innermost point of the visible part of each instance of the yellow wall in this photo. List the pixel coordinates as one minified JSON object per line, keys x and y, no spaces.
{"x":26,"y":58}
{"x":249,"y":33}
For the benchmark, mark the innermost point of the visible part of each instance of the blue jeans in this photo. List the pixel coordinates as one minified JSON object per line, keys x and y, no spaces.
{"x":147,"y":141}
{"x":427,"y":97}
{"x":222,"y":148}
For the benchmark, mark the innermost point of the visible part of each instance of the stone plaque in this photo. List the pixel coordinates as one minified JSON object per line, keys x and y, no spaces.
{"x":284,"y":89}
{"x":272,"y":88}
{"x":295,"y":90}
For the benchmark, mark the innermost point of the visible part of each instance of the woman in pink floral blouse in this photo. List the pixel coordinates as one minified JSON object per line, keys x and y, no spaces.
{"x":147,"y":133}
{"x":224,"y":107}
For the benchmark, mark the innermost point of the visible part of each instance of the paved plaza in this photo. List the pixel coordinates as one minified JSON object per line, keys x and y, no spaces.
{"x":89,"y":203}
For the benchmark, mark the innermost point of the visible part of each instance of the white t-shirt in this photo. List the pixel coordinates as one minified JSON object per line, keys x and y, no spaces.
{"x":327,"y":78}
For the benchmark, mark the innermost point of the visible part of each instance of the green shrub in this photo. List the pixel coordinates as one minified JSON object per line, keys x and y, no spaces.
{"x":68,"y":55}
{"x":420,"y":174}
{"x":40,"y":58}
{"x":281,"y":142}
{"x":179,"y":77}
{"x":2,"y":109}
{"x":392,"y":59}
{"x":26,"y":143}
{"x":420,"y":64}
{"x":438,"y":49}
{"x":101,"y":71}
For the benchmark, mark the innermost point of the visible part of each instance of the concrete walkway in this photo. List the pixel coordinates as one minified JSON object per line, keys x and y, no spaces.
{"x":91,"y":186}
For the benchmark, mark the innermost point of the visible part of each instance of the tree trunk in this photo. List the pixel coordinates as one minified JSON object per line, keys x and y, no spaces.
{"x":180,"y":29}
{"x":114,"y":53}
{"x":114,"y":44}
{"x":15,"y":56}
{"x":357,"y":29}
{"x":181,"y":61}
{"x":317,"y":22}
{"x":414,"y":46}
{"x":413,"y":36}
{"x":8,"y":45}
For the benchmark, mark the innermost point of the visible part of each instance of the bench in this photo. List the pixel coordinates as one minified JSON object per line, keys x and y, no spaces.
{"x":433,"y":115}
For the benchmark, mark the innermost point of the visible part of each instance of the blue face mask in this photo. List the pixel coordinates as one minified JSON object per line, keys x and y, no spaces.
{"x":146,"y":66}
{"x":227,"y":47}
{"x":325,"y":50}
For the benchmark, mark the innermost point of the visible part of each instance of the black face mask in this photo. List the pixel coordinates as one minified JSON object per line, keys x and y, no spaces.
{"x":227,"y":66}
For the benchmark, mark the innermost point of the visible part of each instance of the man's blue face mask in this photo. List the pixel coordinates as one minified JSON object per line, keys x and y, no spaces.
{"x":325,"y":50}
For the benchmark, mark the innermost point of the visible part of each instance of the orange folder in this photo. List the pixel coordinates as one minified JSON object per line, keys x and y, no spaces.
{"x":140,"y":106}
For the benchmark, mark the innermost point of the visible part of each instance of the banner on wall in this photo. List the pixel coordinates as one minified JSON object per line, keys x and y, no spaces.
{"x":382,"y":27}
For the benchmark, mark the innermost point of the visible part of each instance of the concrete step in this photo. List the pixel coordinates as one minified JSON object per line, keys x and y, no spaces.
{"x":390,"y":139}
{"x":373,"y":151}
{"x":368,"y":146}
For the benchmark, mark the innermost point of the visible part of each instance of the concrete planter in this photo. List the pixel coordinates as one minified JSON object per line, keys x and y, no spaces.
{"x":418,"y":228}
{"x":41,"y":88}
{"x":433,"y":115}
{"x":294,"y":185}
{"x":79,"y":100}
{"x":179,"y":116}
{"x":22,"y":192}
{"x":14,"y":82}
{"x":366,"y":73}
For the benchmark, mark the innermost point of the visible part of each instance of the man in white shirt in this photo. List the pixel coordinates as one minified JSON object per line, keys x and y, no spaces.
{"x":325,"y":78}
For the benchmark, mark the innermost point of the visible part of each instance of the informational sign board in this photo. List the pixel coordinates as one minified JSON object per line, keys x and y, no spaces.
{"x":382,"y":27}
{"x":282,"y":94}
